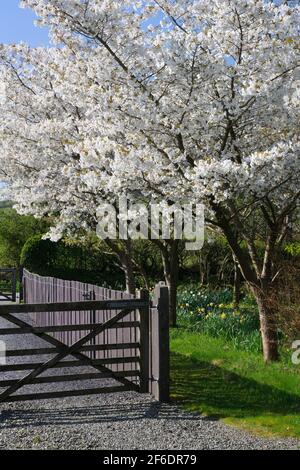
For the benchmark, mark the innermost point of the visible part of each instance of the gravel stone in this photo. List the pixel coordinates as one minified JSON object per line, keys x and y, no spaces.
{"x":119,"y":421}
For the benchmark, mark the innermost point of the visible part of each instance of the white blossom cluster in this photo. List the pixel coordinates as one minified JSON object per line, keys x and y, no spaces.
{"x":178,"y":101}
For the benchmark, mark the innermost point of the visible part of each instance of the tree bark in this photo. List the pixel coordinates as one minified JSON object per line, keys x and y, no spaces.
{"x":129,"y":276}
{"x":260,"y":283}
{"x":124,"y":255}
{"x":171,"y":271}
{"x":172,"y":281}
{"x":236,"y":285}
{"x":268,"y":326}
{"x":127,"y":266}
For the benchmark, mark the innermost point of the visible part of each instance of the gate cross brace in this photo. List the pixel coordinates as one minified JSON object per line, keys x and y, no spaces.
{"x":65,"y":351}
{"x":6,"y":296}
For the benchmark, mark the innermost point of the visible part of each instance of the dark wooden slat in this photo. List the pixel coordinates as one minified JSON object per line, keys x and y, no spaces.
{"x":59,"y":365}
{"x":107,"y":347}
{"x":67,"y":393}
{"x":30,"y":352}
{"x":53,"y":329}
{"x":41,"y":351}
{"x":73,"y":377}
{"x":89,"y":305}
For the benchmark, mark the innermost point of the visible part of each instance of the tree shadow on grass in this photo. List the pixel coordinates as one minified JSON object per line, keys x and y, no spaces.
{"x":209,"y":388}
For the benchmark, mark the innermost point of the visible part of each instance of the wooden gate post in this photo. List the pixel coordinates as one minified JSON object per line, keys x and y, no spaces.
{"x":160,"y":344}
{"x":144,"y":343}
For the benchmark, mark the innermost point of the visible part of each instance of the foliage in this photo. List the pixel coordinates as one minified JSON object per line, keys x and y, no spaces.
{"x":38,"y":253}
{"x":83,"y":261}
{"x":14,"y":231}
{"x":212,"y":377}
{"x":211,"y":312}
{"x":285,"y":297}
{"x":148,"y":262}
{"x":5,"y":204}
{"x":213,"y":263}
{"x":293,"y":248}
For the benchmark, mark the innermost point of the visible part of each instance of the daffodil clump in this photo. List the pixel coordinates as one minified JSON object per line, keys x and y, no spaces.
{"x":212,"y":312}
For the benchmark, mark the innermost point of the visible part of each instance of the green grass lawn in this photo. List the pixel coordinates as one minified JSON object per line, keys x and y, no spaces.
{"x":214,"y":378}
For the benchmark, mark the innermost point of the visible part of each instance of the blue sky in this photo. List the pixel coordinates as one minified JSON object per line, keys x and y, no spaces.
{"x":17,"y":25}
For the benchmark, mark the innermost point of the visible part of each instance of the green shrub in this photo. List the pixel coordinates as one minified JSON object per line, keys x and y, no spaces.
{"x":15,"y":229}
{"x":212,"y":265}
{"x":37,"y":253}
{"x":71,"y":262}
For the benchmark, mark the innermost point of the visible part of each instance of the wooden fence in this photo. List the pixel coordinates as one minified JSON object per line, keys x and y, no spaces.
{"x":148,"y":339}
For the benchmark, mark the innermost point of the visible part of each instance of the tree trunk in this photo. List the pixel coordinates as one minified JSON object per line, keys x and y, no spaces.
{"x":171,"y":271}
{"x":171,"y":281}
{"x":259,"y":283}
{"x":143,"y":273}
{"x":124,"y":254}
{"x":268,"y":326}
{"x":129,"y":277}
{"x":127,"y":266}
{"x":236,"y":285}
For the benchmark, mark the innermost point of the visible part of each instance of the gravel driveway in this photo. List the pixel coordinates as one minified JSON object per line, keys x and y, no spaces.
{"x":111,"y":421}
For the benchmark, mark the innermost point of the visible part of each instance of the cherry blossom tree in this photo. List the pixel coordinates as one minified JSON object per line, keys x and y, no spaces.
{"x":33,"y":110}
{"x":37,"y":127}
{"x":177,"y":101}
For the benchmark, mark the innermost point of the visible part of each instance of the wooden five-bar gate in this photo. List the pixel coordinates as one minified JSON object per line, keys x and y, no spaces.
{"x":124,"y":340}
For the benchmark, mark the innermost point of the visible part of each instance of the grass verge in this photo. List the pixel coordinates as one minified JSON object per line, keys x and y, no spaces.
{"x":214,"y":378}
